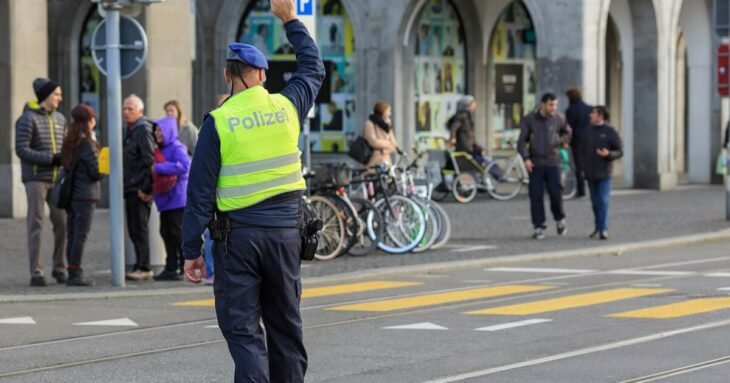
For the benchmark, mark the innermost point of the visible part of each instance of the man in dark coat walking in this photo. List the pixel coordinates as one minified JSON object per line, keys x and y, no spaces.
{"x":578,"y":117}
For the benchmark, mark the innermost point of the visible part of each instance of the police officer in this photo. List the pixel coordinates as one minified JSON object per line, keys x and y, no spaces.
{"x":246,"y":178}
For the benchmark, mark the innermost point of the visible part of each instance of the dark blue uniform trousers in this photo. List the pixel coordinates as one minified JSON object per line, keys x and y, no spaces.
{"x":259,"y":278}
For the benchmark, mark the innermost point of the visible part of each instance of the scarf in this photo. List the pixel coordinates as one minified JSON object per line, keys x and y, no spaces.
{"x":378,"y":121}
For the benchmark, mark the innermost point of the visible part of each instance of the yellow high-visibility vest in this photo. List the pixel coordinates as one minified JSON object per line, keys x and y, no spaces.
{"x":260,"y":157}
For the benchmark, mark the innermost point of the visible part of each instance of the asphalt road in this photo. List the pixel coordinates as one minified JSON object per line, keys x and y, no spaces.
{"x":658,"y":315}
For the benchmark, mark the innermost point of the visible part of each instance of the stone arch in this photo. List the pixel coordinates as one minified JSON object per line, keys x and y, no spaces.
{"x":468,"y":16}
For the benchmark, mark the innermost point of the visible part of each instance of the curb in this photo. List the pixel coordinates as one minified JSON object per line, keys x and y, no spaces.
{"x":438,"y":267}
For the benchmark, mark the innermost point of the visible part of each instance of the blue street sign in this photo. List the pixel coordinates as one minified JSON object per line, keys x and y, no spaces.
{"x":305,"y":8}
{"x":133,"y":46}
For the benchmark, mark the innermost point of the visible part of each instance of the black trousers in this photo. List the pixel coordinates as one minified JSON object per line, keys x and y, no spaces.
{"x":578,"y":163}
{"x":258,"y":277}
{"x":171,"y":232}
{"x":540,"y":177}
{"x":138,"y":216}
{"x":78,"y":224}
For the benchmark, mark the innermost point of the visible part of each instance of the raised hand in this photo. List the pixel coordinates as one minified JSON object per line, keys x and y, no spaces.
{"x":284,"y":9}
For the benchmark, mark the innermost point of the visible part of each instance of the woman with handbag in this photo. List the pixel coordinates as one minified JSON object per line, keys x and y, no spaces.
{"x":169,"y":185}
{"x":80,"y":157}
{"x":378,"y":133}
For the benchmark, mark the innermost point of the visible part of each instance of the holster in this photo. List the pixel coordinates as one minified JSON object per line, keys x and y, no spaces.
{"x":310,"y":240}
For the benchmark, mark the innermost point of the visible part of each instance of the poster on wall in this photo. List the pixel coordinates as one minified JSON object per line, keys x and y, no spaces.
{"x":438,"y":71}
{"x":508,"y":83}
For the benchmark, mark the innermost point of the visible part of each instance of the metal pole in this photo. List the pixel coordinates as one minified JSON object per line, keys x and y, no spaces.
{"x":727,"y":189}
{"x":114,"y":118}
{"x":307,"y":145}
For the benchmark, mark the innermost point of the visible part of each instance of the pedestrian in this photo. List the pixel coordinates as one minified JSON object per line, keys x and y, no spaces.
{"x":378,"y":132}
{"x":39,"y":135}
{"x":81,"y":163}
{"x":246,"y":178}
{"x":169,"y":185}
{"x":188,"y":132}
{"x":578,"y":117}
{"x":546,"y":131}
{"x":139,"y":147}
{"x":461,"y":129}
{"x":601,"y":146}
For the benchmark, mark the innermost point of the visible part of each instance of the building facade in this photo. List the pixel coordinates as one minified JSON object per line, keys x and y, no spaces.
{"x":650,"y":61}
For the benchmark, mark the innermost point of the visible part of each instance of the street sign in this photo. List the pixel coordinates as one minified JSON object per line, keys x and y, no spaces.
{"x":132,"y":46}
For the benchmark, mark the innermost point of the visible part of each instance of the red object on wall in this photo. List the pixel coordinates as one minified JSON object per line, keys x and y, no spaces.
{"x":723,"y":70}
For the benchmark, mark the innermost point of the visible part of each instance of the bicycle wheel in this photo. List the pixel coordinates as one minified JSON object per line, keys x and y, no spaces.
{"x":353,"y":225}
{"x":444,"y":225}
{"x":333,"y":234}
{"x":569,"y":183}
{"x":504,"y":180}
{"x":432,"y":226}
{"x":403,"y":222}
{"x":368,"y":214}
{"x":464,"y":188}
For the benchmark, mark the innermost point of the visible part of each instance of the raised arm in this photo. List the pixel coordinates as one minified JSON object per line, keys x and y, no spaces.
{"x":303,"y":87}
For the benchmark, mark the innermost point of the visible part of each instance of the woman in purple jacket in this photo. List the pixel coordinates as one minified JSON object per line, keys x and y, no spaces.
{"x":170,"y":182}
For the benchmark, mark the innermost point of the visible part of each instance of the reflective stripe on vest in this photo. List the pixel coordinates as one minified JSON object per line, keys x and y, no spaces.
{"x":260,"y":158}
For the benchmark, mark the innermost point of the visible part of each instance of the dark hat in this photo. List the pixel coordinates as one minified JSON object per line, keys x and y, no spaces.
{"x":247,"y":54}
{"x":43,"y":88}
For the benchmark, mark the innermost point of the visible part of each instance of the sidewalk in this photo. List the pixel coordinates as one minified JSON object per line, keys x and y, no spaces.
{"x":483,"y":229}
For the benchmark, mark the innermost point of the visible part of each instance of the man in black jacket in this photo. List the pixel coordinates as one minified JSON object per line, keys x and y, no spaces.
{"x":139,"y":148}
{"x":578,"y":117}
{"x":601,"y":146}
{"x":545,"y":130}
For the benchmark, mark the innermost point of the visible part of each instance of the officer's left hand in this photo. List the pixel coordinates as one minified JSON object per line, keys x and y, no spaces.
{"x":190,"y":268}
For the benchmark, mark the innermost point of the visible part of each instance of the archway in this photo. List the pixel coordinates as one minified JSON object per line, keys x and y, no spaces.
{"x":335,"y":124}
{"x":614,"y":85}
{"x":89,"y":78}
{"x":439,"y":70}
{"x":513,"y":74}
{"x":679,"y":147}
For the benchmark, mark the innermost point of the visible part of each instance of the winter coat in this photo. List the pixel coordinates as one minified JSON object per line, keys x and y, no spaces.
{"x":189,"y":136}
{"x":383,"y":143}
{"x":545,"y":136}
{"x":38,"y":136}
{"x":177,"y":162}
{"x":139,"y":148}
{"x":461,"y":126}
{"x":578,"y":117}
{"x":86,"y":177}
{"x":600,"y":137}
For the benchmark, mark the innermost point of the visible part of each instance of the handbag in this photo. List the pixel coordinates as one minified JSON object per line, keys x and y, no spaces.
{"x":162,"y":184}
{"x":63,"y":188}
{"x":360,"y":150}
{"x":721,"y":163}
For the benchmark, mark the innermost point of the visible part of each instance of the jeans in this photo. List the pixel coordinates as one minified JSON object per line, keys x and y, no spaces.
{"x":138,"y":216}
{"x":540,"y":177}
{"x":208,"y":254}
{"x":171,"y":232}
{"x":600,"y":198}
{"x":37,"y":193}
{"x":78,"y":221}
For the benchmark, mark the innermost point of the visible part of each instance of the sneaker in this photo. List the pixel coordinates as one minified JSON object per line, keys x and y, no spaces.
{"x":539,"y":233}
{"x":76,"y":279}
{"x":168,"y":275}
{"x":604,"y":235}
{"x":140,"y":275}
{"x":38,"y":282}
{"x":59,"y":276}
{"x":562,"y":227}
{"x":594,"y":235}
{"x":208,"y":281}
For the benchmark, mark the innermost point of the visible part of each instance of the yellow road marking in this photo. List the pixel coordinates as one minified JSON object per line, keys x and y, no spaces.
{"x":569,"y":302}
{"x":354,"y":288}
{"x":677,"y":310}
{"x":440,"y":298}
{"x":324,"y":291}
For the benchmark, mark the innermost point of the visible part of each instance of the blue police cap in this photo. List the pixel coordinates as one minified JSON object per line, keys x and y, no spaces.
{"x":247,"y":54}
